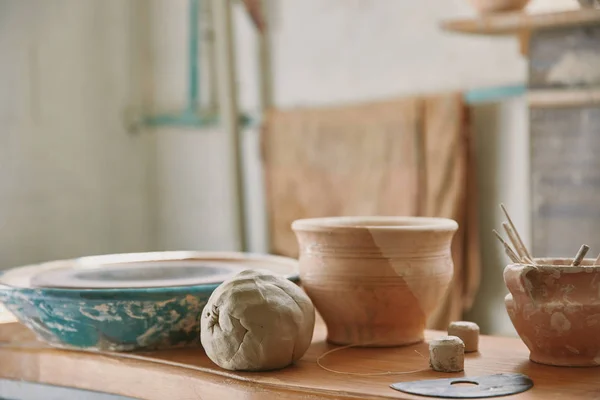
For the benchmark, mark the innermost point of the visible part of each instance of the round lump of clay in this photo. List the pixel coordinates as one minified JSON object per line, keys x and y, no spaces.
{"x":257,"y":321}
{"x":447,"y":354}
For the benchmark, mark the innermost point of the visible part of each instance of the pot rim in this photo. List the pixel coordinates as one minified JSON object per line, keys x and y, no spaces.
{"x":378,"y":223}
{"x":587,"y":264}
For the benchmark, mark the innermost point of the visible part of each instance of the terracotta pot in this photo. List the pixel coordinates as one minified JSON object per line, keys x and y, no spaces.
{"x":555,"y":309}
{"x":375,"y":280}
{"x":495,"y":6}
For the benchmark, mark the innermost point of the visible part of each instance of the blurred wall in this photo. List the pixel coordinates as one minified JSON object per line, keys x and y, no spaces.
{"x":72,"y":181}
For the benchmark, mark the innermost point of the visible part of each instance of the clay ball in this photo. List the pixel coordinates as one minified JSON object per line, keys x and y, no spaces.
{"x":257,"y":321}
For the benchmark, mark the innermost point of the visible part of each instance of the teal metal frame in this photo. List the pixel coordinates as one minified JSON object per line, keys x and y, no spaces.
{"x":493,"y":94}
{"x":192,"y":116}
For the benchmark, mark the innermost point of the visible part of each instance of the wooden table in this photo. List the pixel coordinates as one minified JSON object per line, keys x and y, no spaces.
{"x":189,"y":374}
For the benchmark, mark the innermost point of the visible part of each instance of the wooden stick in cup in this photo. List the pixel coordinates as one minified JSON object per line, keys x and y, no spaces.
{"x":509,"y":251}
{"x":597,"y":262}
{"x":517,"y":236}
{"x":580,"y":254}
{"x":513,"y":239}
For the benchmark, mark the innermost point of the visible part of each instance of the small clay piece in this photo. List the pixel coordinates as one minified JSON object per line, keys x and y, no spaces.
{"x":468,"y":332}
{"x":257,"y":321}
{"x":447,"y":354}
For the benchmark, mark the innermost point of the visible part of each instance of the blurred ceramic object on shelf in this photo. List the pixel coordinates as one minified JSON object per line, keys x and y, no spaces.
{"x":496,"y":6}
{"x":589,"y":3}
{"x":555,"y":309}
{"x":375,"y":280}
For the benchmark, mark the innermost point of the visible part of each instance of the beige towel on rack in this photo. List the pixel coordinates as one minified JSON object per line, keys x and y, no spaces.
{"x":409,"y":156}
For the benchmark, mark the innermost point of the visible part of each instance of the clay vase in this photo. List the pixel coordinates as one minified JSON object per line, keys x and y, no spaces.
{"x":375,"y":280}
{"x":555,"y":309}
{"x":496,"y":6}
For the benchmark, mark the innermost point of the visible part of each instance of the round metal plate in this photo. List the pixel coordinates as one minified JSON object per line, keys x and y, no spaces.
{"x":476,"y":388}
{"x":137,"y":275}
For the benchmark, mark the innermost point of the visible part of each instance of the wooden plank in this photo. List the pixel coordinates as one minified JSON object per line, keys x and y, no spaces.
{"x":188,"y":374}
{"x":553,"y":98}
{"x":511,"y":23}
{"x":565,"y":58}
{"x":565,"y":170}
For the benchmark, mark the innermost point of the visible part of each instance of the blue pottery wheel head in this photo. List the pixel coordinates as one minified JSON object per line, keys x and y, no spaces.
{"x":125,"y":302}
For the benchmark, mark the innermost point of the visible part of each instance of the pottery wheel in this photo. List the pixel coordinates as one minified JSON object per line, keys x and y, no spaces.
{"x":137,"y":275}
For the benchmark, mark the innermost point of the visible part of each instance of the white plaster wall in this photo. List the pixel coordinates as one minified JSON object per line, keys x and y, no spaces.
{"x":345,"y":50}
{"x":342,"y":51}
{"x":502,"y":146}
{"x":194,"y":199}
{"x":72,"y":180}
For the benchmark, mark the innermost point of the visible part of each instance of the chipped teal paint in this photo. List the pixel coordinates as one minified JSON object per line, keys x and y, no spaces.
{"x":494,"y":94}
{"x":111,"y":319}
{"x":191,"y":117}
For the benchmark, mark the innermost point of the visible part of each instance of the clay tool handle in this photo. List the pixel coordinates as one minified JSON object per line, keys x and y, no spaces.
{"x":517,"y":236}
{"x":511,"y":235}
{"x":580,"y":254}
{"x":509,"y":251}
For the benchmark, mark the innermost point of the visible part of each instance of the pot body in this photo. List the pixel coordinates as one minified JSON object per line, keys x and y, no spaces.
{"x":555,"y":309}
{"x":375,"y":280}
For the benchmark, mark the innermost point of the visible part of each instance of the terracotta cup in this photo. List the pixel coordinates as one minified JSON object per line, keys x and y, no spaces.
{"x":375,"y":280}
{"x":555,"y":309}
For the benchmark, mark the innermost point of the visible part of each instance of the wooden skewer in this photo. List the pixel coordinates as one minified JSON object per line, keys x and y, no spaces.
{"x":597,"y":260}
{"x":511,"y":254}
{"x":529,"y":260}
{"x":511,"y":235}
{"x":509,"y":251}
{"x":517,"y":236}
{"x":580,"y":254}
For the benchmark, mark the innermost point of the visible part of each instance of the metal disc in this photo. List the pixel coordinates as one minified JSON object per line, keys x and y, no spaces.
{"x":477,"y":387}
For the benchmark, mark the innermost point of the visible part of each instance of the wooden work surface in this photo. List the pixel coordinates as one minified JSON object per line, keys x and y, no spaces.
{"x":189,"y":374}
{"x":516,"y":22}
